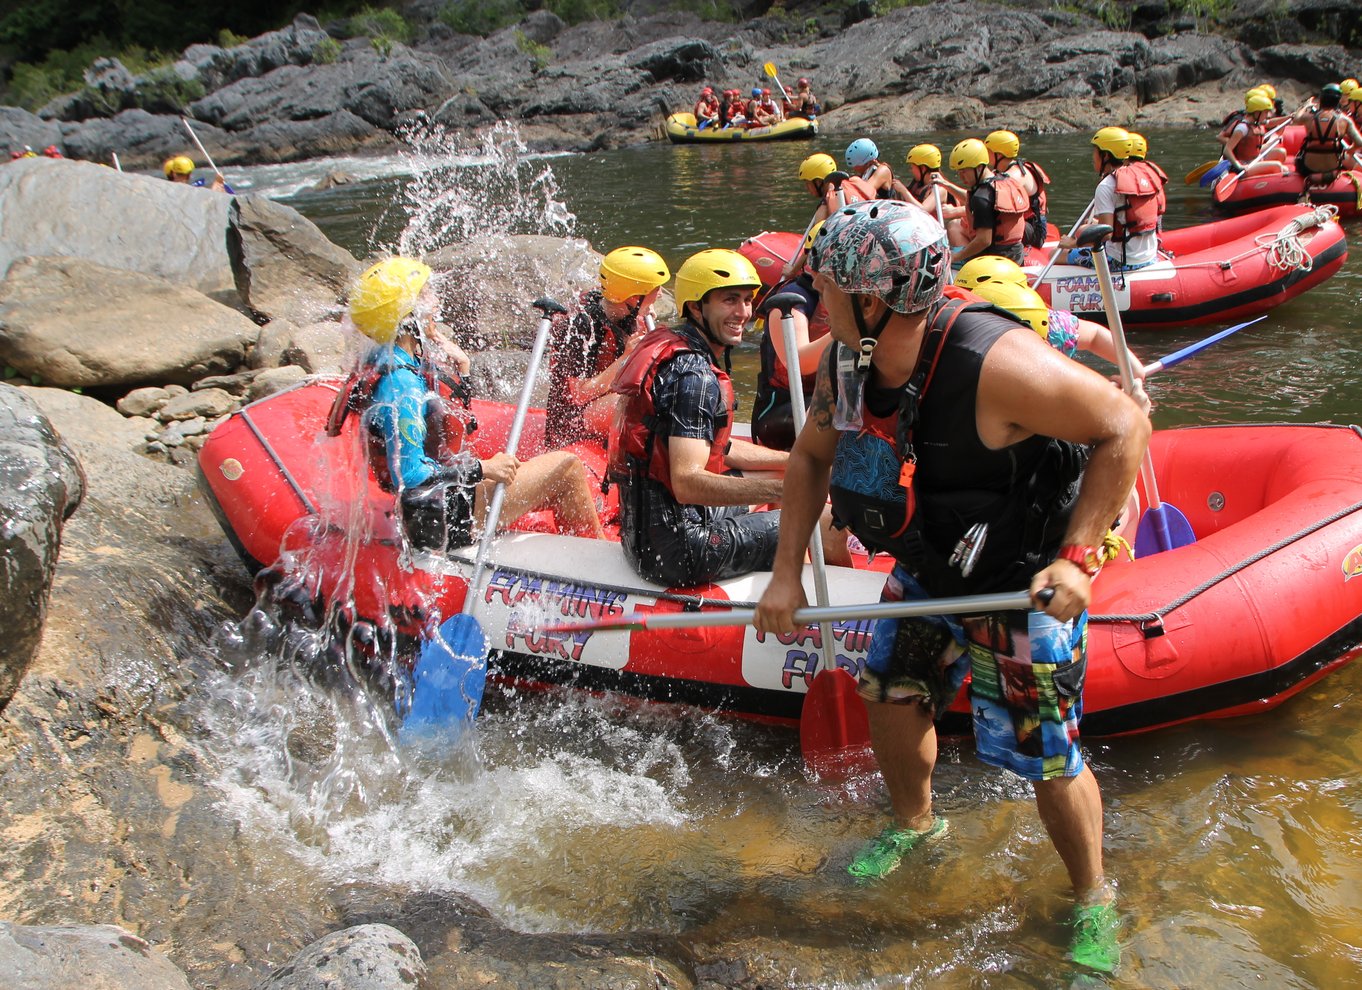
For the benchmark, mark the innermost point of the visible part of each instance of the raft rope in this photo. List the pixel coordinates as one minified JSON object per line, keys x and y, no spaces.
{"x":1158,"y":613}
{"x":1285,"y":251}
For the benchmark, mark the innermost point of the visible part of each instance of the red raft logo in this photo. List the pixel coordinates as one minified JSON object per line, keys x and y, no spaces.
{"x":1352,"y":563}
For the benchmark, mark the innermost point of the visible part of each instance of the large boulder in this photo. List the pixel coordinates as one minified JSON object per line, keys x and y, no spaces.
{"x":92,"y":957}
{"x":283,"y":265}
{"x":142,"y":139}
{"x":20,"y":129}
{"x":366,"y":957}
{"x":41,"y":484}
{"x":74,"y":323}
{"x":130,"y":222}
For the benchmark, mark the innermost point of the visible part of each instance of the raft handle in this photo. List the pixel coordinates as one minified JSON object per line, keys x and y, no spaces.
{"x":1161,"y":297}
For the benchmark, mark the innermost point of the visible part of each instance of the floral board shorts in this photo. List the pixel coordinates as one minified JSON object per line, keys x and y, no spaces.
{"x":1026,"y":678}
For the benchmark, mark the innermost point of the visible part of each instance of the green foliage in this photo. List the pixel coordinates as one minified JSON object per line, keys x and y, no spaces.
{"x":577,"y":11}
{"x":163,"y":87}
{"x":227,"y":38}
{"x":33,"y":84}
{"x":540,"y":55}
{"x":885,"y":6}
{"x":1205,"y":11}
{"x":481,"y":17}
{"x":380,"y":22}
{"x":382,"y":45}
{"x":709,"y":10}
{"x":1112,"y":13}
{"x":326,"y":51}
{"x":31,"y":87}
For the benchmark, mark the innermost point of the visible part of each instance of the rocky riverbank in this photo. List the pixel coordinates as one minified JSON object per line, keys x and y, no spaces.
{"x":300,"y":93}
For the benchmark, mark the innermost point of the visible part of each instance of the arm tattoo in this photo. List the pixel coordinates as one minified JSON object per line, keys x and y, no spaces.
{"x":822,"y":404}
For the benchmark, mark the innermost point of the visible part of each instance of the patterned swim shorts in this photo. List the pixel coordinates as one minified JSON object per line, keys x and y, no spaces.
{"x":1026,"y":678}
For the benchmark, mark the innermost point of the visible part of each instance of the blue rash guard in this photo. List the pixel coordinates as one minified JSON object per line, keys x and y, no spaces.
{"x":399,"y":415}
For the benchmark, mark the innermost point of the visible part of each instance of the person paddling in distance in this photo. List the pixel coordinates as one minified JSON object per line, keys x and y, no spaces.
{"x":1129,"y":198}
{"x":1004,"y":157}
{"x":925,"y":190}
{"x":415,"y":445}
{"x":996,"y":429}
{"x":1331,"y":144}
{"x":684,"y":514}
{"x":589,"y":348}
{"x":1243,"y":135}
{"x":863,"y":160}
{"x":180,"y":169}
{"x":995,"y":219}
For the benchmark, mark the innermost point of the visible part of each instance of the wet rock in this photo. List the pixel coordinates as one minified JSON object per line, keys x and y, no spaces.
{"x":366,"y":957}
{"x":1313,"y":64}
{"x":283,"y":265}
{"x":19,"y":128}
{"x":92,"y":957}
{"x":272,"y":380}
{"x":332,"y":180}
{"x":41,"y":484}
{"x":124,"y":221}
{"x":332,"y":134}
{"x":143,"y":401}
{"x":77,"y":323}
{"x":209,"y":402}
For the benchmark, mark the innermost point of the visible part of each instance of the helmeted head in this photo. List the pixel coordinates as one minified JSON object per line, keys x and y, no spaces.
{"x":969,"y":153}
{"x":1139,"y":147}
{"x":885,"y":249}
{"x":1348,"y":87}
{"x":385,"y":295}
{"x":1113,"y":143}
{"x":803,"y":83}
{"x":926,"y":155}
{"x":1022,"y":301}
{"x":716,"y":268}
{"x":989,"y":268}
{"x":1269,"y":89}
{"x":1257,"y":101}
{"x":817,"y":167}
{"x":1003,"y":143}
{"x":756,"y":91}
{"x":707,"y":91}
{"x":861,"y":153}
{"x":627,"y":272}
{"x":181,"y":166}
{"x":52,"y":151}
{"x":765,"y":93}
{"x":812,"y":236}
{"x":1330,"y":96}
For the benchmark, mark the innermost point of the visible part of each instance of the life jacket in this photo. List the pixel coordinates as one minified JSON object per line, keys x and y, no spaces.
{"x":1142,"y":185}
{"x":634,"y":449}
{"x":1322,"y":149}
{"x":1038,"y":206}
{"x":774,"y":374}
{"x":1010,"y":204}
{"x":887,"y":190}
{"x":854,"y":190}
{"x":447,"y":424}
{"x":875,"y":489}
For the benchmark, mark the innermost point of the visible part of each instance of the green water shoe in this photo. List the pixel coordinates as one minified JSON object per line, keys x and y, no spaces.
{"x":1094,"y":943}
{"x":882,"y":855}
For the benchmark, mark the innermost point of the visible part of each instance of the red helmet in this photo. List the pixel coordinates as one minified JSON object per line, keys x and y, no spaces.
{"x":803,"y":82}
{"x":707,"y":91}
{"x":51,"y":151}
{"x":14,"y":155}
{"x":765,"y":92}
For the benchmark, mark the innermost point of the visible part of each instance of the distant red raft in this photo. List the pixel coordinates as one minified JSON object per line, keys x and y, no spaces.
{"x":1264,"y":603}
{"x":1219,"y":272}
{"x":1257,"y":192}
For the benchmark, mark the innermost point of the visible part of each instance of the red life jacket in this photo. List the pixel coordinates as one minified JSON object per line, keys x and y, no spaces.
{"x":1039,"y":204}
{"x":1142,"y":186}
{"x":447,"y":424}
{"x":854,"y":190}
{"x":634,"y":446}
{"x":1010,"y":204}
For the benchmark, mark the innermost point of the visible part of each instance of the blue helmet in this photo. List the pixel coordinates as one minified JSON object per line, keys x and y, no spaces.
{"x":860,"y":152}
{"x":756,"y":90}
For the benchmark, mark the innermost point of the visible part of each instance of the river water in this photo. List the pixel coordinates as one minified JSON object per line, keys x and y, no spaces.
{"x":1237,"y":845}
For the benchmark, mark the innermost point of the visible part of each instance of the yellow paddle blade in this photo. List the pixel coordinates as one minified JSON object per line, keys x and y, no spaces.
{"x":770,"y":68}
{"x":1195,"y":174}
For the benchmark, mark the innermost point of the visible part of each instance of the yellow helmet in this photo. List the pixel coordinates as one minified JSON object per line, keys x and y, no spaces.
{"x":632,"y":271}
{"x":1115,"y":141}
{"x":713,"y":269}
{"x":1004,"y":143}
{"x":1348,"y":86}
{"x":816,"y":167}
{"x":385,"y":295}
{"x":814,"y":231}
{"x":989,"y":268}
{"x":1139,"y":147}
{"x":1269,"y":89}
{"x":179,"y":165}
{"x":1256,"y":100}
{"x":926,"y":155}
{"x":1021,"y":301}
{"x":969,"y":153}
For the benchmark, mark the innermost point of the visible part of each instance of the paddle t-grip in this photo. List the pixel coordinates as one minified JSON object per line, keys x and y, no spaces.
{"x":548,"y":307}
{"x":1094,"y":236}
{"x":783,"y":301}
{"x":836,"y":178}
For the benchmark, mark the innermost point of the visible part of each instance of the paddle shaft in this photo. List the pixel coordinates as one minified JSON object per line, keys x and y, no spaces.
{"x":941,"y":219}
{"x":489,"y":530}
{"x":1087,"y":210}
{"x":206,"y":156}
{"x":964,"y":605}
{"x":117,"y":164}
{"x":770,"y":68}
{"x":1177,"y":357}
{"x":795,"y":377}
{"x":1118,"y":334}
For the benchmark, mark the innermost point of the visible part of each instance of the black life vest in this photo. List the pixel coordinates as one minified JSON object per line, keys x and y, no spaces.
{"x":1010,"y":204}
{"x":1321,"y":152}
{"x":879,"y":492}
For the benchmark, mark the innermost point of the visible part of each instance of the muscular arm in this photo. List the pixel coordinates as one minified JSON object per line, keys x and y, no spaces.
{"x":694,"y":484}
{"x":1026,"y":388}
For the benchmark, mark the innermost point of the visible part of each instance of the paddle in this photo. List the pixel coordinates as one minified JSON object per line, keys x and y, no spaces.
{"x":1201,"y":170}
{"x":940,"y":218}
{"x":1179,"y":356}
{"x":117,"y":164}
{"x":770,"y":69}
{"x":1210,"y":177}
{"x":1226,"y":185}
{"x":1087,"y":211}
{"x":451,"y":667}
{"x":206,"y":156}
{"x":1162,"y":527}
{"x":834,"y":685}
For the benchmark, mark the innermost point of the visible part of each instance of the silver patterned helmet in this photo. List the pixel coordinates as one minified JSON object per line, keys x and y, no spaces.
{"x":892,"y":251}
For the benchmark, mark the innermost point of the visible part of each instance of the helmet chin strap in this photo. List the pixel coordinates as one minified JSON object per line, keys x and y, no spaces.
{"x":703,"y":327}
{"x":870,"y":336}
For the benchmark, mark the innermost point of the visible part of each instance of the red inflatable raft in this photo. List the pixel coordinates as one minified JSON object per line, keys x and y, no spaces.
{"x":1257,"y":192}
{"x":1267,"y":600}
{"x":1219,"y":272}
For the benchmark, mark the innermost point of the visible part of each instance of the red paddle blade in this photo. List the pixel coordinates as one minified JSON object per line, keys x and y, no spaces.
{"x":834,"y":731}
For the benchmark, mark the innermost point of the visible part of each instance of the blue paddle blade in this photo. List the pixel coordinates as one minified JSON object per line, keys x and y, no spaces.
{"x":1164,"y":528}
{"x":1214,"y":173}
{"x":448,"y":680}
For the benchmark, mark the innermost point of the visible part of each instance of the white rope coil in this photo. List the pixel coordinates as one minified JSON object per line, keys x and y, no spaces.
{"x":1284,"y":248}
